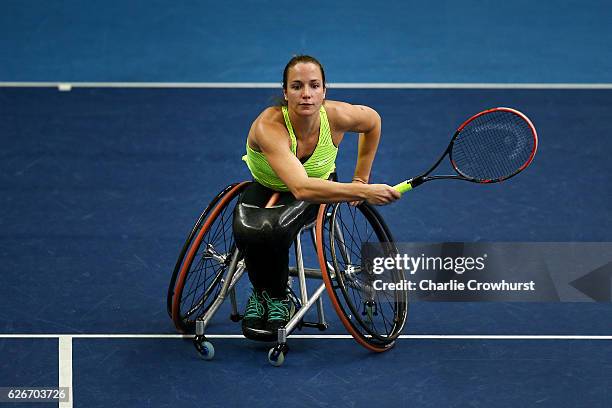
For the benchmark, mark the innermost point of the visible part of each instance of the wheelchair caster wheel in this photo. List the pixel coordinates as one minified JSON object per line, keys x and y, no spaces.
{"x":205,"y":348}
{"x":276,"y":355}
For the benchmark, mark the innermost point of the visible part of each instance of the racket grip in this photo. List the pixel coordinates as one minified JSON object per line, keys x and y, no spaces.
{"x":403,"y":187}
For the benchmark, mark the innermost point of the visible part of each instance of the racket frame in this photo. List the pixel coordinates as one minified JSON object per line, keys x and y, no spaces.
{"x":409,"y":184}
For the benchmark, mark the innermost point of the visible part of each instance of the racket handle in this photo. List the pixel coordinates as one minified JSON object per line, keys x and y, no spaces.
{"x":403,"y":187}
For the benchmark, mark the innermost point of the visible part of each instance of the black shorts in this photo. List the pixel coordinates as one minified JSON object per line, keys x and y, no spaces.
{"x":264,"y":235}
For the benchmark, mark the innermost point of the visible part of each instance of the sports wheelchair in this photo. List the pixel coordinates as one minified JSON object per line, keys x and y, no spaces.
{"x":209,"y":267}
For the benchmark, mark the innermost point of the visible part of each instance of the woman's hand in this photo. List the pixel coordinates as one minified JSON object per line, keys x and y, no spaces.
{"x":381,"y":194}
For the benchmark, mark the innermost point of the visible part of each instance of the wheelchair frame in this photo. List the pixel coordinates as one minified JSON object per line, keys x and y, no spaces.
{"x":230,"y":276}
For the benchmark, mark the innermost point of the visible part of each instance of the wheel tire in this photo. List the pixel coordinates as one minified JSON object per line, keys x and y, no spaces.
{"x":204,"y":260}
{"x":349,"y":286}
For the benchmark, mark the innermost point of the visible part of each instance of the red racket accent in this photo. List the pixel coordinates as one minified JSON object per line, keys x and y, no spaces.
{"x":493,"y":145}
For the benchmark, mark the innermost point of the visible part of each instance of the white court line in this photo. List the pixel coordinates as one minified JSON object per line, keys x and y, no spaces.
{"x":66,"y":86}
{"x":65,"y":345}
{"x":65,"y":368}
{"x":314,"y":336}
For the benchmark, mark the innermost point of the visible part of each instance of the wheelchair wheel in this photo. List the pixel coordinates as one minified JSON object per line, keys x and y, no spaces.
{"x":203,"y":261}
{"x":374,"y":318}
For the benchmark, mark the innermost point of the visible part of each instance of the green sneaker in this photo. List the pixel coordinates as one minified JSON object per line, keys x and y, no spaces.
{"x":254,"y":320}
{"x":280,"y":311}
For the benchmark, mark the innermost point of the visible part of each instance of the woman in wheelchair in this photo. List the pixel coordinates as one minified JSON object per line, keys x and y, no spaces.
{"x":291,"y":151}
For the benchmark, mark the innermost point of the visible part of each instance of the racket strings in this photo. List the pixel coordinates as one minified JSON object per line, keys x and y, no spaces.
{"x":493,"y":146}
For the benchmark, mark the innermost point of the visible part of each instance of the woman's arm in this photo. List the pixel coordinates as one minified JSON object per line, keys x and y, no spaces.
{"x":272,"y":142}
{"x":365,"y":121}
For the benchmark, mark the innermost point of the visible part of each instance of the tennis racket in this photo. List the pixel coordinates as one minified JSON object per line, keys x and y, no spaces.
{"x":489,"y":147}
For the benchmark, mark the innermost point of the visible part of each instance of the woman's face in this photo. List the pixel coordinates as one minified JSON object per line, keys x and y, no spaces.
{"x":305,"y":91}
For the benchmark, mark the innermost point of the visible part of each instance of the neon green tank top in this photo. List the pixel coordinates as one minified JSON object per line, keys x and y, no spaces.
{"x":320,"y":165}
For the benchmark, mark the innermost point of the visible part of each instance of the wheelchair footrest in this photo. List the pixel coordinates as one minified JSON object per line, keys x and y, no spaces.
{"x":260,"y":335}
{"x":320,"y":326}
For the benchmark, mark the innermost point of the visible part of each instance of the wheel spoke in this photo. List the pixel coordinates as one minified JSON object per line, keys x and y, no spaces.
{"x":202,"y":278}
{"x":377,"y":316}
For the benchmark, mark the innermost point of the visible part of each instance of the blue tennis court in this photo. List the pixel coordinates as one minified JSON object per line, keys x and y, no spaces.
{"x":101,"y":182}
